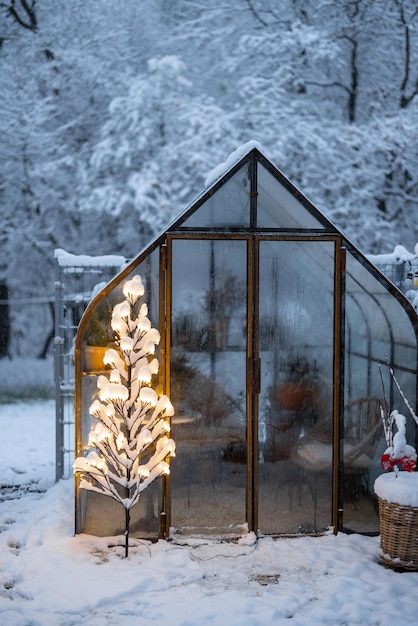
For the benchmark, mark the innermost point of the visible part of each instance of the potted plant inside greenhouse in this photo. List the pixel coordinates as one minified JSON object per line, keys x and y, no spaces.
{"x":397,"y":491}
{"x":99,"y":337}
{"x":300,"y":389}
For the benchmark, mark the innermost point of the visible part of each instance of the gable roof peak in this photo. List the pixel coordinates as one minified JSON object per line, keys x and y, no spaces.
{"x":237,"y":155}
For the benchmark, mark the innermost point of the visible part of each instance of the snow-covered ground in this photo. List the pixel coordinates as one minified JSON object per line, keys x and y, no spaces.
{"x":48,"y":577}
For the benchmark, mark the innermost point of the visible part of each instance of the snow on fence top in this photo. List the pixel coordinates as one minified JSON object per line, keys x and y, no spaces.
{"x":401,"y":268}
{"x":399,"y":256}
{"x":66,"y":259}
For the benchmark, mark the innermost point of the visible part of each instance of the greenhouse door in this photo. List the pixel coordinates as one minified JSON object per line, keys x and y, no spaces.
{"x":249,"y":318}
{"x":299,"y":347}
{"x":208,"y":383}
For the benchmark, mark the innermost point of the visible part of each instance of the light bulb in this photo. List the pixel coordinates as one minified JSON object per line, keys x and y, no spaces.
{"x":134,"y":288}
{"x":148,"y":396}
{"x":126,"y":344}
{"x":95,"y":409}
{"x":144,"y":374}
{"x":113,"y":391}
{"x":163,"y":468}
{"x":114,"y":376}
{"x":143,"y":323}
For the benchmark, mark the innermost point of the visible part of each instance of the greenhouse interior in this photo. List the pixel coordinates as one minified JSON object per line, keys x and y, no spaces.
{"x":276,"y":335}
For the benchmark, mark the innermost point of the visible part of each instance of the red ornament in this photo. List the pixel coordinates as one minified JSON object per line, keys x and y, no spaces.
{"x":406,"y":462}
{"x":387,"y":462}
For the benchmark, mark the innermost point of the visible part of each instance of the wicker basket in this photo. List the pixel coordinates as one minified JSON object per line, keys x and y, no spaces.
{"x":398,"y":535}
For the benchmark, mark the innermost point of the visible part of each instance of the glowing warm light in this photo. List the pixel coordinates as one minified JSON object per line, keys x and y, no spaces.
{"x":148,"y":396}
{"x":143,"y":323}
{"x":92,"y":438}
{"x":163,"y":468}
{"x":144,"y":374}
{"x":117,"y":323}
{"x":110,"y":410}
{"x":169,"y":409}
{"x":110,"y":357}
{"x":134,"y":288}
{"x":149,"y":346}
{"x":127,"y":344}
{"x":101,"y":432}
{"x":164,"y":427}
{"x":144,"y":439}
{"x":114,"y":376}
{"x":124,"y":310}
{"x":95,"y":408}
{"x":120,"y":316}
{"x":154,"y":335}
{"x":95,"y":460}
{"x":171,"y":448}
{"x":102,"y":381}
{"x":115,"y":392}
{"x":164,"y":406}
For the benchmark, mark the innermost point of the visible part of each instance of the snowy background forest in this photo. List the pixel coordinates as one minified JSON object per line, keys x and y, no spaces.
{"x":113,"y":112}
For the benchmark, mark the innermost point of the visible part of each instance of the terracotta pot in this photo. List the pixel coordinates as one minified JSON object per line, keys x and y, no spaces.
{"x":93,"y":358}
{"x":294,"y":396}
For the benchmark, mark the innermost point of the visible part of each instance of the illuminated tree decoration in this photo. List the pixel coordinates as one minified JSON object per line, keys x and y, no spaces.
{"x":129,"y":444}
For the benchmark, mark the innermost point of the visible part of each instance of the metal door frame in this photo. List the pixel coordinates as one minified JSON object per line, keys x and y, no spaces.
{"x":253,"y":241}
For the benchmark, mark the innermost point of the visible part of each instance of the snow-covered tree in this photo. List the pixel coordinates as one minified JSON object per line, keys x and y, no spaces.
{"x":129,"y":444}
{"x":157,"y":145}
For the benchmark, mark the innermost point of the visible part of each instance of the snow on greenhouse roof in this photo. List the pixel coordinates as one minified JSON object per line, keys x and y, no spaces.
{"x":233,"y":158}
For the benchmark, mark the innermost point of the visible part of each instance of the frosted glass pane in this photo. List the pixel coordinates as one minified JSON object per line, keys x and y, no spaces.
{"x":296,"y":349}
{"x":228,"y":207}
{"x":278,"y":208}
{"x":208,"y":360}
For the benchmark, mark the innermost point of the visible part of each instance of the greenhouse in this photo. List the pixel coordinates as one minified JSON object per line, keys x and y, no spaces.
{"x":275,"y":337}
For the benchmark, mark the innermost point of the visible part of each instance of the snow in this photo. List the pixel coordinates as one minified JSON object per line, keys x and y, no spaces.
{"x":49,"y":577}
{"x":67,"y":259}
{"x":28,"y":444}
{"x":232,"y":159}
{"x":399,"y":487}
{"x":399,"y":255}
{"x":399,"y":438}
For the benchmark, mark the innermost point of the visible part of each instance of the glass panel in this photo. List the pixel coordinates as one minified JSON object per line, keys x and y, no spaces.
{"x":228,"y":207}
{"x":97,"y":514}
{"x":278,"y":208}
{"x":377,"y":327}
{"x":295,"y":416}
{"x":208,"y":357}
